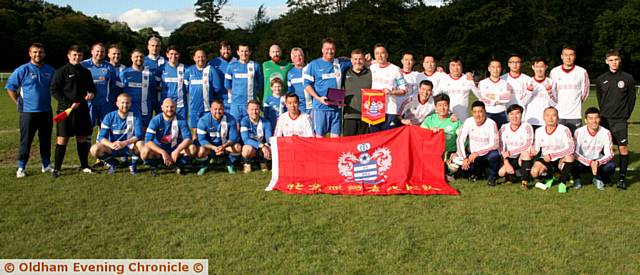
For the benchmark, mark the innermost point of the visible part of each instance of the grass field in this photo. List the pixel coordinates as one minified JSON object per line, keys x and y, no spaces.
{"x":239,"y":228}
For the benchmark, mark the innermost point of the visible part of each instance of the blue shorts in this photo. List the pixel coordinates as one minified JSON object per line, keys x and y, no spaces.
{"x":146,"y":120}
{"x":125,"y":152}
{"x":238,"y":111}
{"x":194,"y":117}
{"x":98,"y":111}
{"x":182,"y":112}
{"x":326,"y":121}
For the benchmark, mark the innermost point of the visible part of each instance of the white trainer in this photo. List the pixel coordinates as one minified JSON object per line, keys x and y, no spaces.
{"x":87,"y":171}
{"x":20,"y":173}
{"x":47,"y":169}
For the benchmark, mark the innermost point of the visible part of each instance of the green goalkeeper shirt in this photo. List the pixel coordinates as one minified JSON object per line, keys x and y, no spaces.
{"x":451,"y":129}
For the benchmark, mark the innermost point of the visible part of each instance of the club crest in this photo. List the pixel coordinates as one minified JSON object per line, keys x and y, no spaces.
{"x":365,"y":168}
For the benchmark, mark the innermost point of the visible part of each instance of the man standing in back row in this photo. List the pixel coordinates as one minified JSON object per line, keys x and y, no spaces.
{"x":572,"y":84}
{"x":616,"y":95}
{"x":28,"y":87}
{"x":73,"y":86}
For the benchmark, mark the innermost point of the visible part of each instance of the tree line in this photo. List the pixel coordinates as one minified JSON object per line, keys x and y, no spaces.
{"x":475,"y":30}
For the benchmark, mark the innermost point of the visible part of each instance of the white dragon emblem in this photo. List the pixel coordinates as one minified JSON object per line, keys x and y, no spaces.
{"x":381,"y":156}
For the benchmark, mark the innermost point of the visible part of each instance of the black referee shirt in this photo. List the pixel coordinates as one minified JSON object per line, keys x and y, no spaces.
{"x":70,"y":84}
{"x":616,"y":93}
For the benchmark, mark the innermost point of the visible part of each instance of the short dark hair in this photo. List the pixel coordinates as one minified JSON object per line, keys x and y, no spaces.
{"x":569,"y":47}
{"x":136,"y":50}
{"x":514,"y":107}
{"x":612,"y":52}
{"x":225,"y":44}
{"x":455,"y":59}
{"x":413,"y":55}
{"x":172,"y":48}
{"x":113,"y":46}
{"x":495,"y":59}
{"x":217,"y":100}
{"x":477,"y":103}
{"x":199,"y":49}
{"x":243,"y":44}
{"x":36,"y":45}
{"x":539,"y":59}
{"x":550,"y":108}
{"x":328,"y":40}
{"x":514,"y":54}
{"x":591,"y":110}
{"x":276,"y":80}
{"x":379,"y":45}
{"x":292,"y":95}
{"x":426,"y":82}
{"x":253,"y":101}
{"x":441,"y":97}
{"x":97,"y":44}
{"x":357,"y":51}
{"x":74,"y":48}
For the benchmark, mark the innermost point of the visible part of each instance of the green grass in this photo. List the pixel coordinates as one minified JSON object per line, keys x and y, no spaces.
{"x":239,"y":228}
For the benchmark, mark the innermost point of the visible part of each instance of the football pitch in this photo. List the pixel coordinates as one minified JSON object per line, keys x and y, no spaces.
{"x":241,"y":229}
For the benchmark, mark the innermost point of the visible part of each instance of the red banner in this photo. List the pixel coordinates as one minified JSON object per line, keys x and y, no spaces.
{"x":405,"y":160}
{"x":373,"y":106}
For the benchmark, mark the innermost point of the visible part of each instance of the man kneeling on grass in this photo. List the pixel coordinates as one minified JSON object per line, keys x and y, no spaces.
{"x":483,"y":144}
{"x":168,"y":138}
{"x":594,"y":150}
{"x":556,"y":147}
{"x":442,"y":120}
{"x":517,"y":139}
{"x":120,"y":136}
{"x":217,"y":138}
{"x":255,"y":132}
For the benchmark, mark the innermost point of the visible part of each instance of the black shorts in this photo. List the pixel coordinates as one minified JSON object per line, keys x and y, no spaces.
{"x":619,"y":130}
{"x":551,"y":166}
{"x":77,"y":124}
{"x":572,"y":124}
{"x":514,"y":162}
